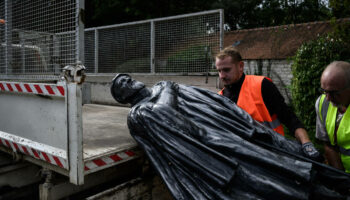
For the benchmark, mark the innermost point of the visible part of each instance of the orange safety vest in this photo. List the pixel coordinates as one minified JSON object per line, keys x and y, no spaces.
{"x":250,"y":99}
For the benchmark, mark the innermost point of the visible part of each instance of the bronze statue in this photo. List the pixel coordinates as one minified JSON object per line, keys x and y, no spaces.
{"x":205,"y":147}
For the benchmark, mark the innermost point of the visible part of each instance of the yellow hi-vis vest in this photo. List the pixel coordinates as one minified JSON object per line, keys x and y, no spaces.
{"x":328,"y":115}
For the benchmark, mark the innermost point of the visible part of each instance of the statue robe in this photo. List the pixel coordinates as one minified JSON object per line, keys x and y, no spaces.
{"x":204,"y":146}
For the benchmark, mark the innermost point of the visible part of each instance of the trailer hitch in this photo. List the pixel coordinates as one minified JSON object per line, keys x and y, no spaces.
{"x":75,"y":73}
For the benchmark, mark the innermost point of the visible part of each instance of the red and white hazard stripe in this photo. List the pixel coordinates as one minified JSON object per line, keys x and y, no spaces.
{"x":35,"y":88}
{"x":109,"y":160}
{"x":61,"y":162}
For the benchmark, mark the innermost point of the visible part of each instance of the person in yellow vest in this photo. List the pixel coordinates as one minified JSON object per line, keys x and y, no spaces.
{"x":333,"y":114}
{"x":259,"y":97}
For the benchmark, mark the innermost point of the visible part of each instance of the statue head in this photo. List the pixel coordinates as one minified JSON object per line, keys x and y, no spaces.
{"x":124,"y":89}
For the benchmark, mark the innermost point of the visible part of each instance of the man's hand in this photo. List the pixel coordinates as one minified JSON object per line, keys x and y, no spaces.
{"x":311,"y":152}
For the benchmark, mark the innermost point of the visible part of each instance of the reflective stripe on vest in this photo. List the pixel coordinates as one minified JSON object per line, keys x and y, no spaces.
{"x":274,"y":124}
{"x":221,"y":92}
{"x":344,"y":151}
{"x":250,"y":99}
{"x":328,"y":114}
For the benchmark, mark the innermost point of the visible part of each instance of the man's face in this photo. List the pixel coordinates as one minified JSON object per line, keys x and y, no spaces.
{"x":336,"y":90}
{"x":229,"y":72}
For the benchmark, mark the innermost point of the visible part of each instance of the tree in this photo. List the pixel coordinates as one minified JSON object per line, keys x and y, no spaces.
{"x":308,"y":64}
{"x":239,"y":14}
{"x":340,"y":8}
{"x":271,"y":13}
{"x":297,"y":11}
{"x":263,"y":13}
{"x":108,"y":12}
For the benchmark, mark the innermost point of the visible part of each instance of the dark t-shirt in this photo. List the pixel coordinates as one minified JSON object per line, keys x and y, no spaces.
{"x":273,"y":100}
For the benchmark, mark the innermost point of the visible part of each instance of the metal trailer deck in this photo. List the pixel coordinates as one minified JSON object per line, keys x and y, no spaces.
{"x":48,"y":125}
{"x":106,"y":138}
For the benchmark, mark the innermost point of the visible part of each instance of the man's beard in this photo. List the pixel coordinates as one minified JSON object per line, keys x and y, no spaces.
{"x":225,"y":81}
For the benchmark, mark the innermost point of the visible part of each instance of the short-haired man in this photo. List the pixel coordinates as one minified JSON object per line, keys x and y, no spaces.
{"x":333,"y":114}
{"x":258,"y":96}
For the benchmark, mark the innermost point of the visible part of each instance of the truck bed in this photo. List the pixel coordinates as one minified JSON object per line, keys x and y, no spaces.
{"x":105,"y":131}
{"x":59,"y":133}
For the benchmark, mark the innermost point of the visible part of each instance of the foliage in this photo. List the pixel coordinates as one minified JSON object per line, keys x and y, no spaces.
{"x":307,"y":67}
{"x":133,"y":65}
{"x":304,"y":11}
{"x":191,"y":59}
{"x":238,"y":14}
{"x":340,"y":8}
{"x":108,"y":12}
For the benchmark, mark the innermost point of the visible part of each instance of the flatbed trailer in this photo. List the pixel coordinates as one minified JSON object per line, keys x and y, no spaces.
{"x":47,"y":125}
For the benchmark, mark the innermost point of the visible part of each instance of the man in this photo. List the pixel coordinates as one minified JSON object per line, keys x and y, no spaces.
{"x":258,"y":96}
{"x":205,"y":147}
{"x":333,"y":114}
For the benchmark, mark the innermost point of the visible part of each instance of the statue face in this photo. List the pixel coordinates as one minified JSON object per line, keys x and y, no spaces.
{"x":127,"y":84}
{"x":125,"y":87}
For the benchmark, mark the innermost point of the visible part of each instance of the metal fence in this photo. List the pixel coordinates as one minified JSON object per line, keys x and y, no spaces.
{"x":181,"y":44}
{"x":39,"y":37}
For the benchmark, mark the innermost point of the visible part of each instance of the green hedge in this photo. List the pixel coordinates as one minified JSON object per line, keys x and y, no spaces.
{"x":134,"y":65}
{"x":307,"y":67}
{"x":192,"y":59}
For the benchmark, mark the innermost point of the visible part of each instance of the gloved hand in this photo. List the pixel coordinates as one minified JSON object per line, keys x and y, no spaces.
{"x":311,"y":152}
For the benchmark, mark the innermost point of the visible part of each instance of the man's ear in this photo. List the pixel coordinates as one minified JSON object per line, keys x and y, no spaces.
{"x":241,"y":66}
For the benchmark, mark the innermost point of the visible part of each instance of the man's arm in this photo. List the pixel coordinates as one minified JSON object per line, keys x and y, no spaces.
{"x":308,"y":148}
{"x":331,"y":153}
{"x":301,"y":135}
{"x":332,"y":156}
{"x":275,"y":104}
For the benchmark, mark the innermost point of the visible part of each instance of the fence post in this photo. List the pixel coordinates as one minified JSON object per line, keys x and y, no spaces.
{"x":79,"y":28}
{"x":8,"y":36}
{"x":23,"y":56}
{"x":152,"y":48}
{"x":221,"y":29}
{"x":96,"y":50}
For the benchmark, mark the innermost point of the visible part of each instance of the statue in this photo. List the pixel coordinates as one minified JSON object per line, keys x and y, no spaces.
{"x":204,"y":146}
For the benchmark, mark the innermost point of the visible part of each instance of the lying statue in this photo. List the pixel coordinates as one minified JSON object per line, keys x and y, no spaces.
{"x":204,"y":146}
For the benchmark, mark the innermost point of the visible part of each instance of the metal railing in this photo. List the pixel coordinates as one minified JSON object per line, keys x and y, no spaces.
{"x":38,"y":38}
{"x":181,"y":44}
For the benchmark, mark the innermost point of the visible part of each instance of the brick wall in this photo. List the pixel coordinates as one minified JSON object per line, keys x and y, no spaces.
{"x":278,"y":70}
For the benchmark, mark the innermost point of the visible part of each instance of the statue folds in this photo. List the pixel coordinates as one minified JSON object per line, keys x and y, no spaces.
{"x":203,"y":146}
